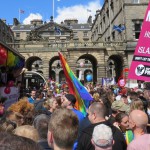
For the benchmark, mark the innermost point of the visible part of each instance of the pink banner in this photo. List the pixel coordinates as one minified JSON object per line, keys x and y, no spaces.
{"x":140,"y":66}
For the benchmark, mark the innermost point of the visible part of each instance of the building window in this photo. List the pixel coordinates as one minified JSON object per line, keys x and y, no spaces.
{"x":137,"y":28}
{"x":135,"y":1}
{"x":113,"y":35}
{"x":75,"y":33}
{"x":85,"y":33}
{"x":112,"y":5}
{"x":18,"y":35}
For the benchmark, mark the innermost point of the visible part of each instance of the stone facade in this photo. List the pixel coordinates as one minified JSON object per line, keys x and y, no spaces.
{"x":105,"y":50}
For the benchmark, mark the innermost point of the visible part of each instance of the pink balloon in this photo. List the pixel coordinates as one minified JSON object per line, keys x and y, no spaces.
{"x":11,"y":83}
{"x":3,"y":53}
{"x":7,"y":90}
{"x":81,"y":64}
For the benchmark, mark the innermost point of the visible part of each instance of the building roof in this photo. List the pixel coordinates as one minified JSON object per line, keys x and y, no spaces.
{"x":29,"y":27}
{"x":23,"y":27}
{"x":84,"y":26}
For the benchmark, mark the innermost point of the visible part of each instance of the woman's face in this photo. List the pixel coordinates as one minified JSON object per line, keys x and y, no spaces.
{"x":55,"y":104}
{"x":124,"y":123}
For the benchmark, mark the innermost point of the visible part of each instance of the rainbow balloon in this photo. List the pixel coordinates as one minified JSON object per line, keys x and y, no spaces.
{"x":75,"y":87}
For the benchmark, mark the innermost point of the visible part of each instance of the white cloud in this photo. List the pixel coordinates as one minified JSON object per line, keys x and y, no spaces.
{"x":31,"y":17}
{"x":78,"y":12}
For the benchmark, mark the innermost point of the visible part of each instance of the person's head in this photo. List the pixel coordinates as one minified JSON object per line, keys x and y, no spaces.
{"x":147,"y":94}
{"x":52,"y":103}
{"x":68,"y":100}
{"x":96,"y":112}
{"x":33,"y":93}
{"x":62,"y":129}
{"x":138,"y":120}
{"x":96,"y":96}
{"x":13,"y":142}
{"x":28,"y":132}
{"x":120,"y":106}
{"x":58,"y":99}
{"x":66,"y":89}
{"x":39,"y":95}
{"x":123,"y":121}
{"x":124,"y":99}
{"x":136,"y":104}
{"x":41,"y":124}
{"x":132,"y":96}
{"x":10,"y":121}
{"x":102,"y":137}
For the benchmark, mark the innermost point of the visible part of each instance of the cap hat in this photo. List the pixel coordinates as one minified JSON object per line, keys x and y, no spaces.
{"x":120,"y":105}
{"x":71,"y":98}
{"x":102,"y":136}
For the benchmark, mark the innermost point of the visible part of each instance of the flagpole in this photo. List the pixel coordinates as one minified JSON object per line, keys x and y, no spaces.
{"x":53,"y":9}
{"x":19,"y":14}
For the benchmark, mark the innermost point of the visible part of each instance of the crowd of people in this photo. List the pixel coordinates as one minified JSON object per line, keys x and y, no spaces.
{"x":117,"y":119}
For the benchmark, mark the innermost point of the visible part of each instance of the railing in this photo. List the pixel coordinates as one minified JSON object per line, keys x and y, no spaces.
{"x":21,"y":46}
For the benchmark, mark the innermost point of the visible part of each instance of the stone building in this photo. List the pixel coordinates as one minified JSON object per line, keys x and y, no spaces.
{"x":119,"y":21}
{"x":104,"y":49}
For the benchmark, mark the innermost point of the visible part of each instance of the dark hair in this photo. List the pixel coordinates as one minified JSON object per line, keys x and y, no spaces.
{"x":124,"y":96}
{"x":71,"y":98}
{"x":41,"y":124}
{"x":120,"y":116}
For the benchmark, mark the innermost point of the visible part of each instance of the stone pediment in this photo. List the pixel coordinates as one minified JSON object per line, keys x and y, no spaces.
{"x":48,"y":31}
{"x":52,"y":26}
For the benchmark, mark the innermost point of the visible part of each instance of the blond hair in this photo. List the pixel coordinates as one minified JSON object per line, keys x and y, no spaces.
{"x":28,"y":132}
{"x":136,"y":104}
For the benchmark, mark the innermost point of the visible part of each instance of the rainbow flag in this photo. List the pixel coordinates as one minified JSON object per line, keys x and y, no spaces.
{"x":75,"y":87}
{"x":129,"y":136}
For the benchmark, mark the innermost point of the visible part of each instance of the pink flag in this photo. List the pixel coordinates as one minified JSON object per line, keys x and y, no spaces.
{"x":140,"y":66}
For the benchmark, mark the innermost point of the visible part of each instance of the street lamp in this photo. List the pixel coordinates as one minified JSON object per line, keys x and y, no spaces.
{"x":111,"y":68}
{"x":36,"y":66}
{"x":58,"y":65}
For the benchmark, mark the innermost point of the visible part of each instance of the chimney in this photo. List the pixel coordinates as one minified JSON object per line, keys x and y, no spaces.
{"x":89,"y":21}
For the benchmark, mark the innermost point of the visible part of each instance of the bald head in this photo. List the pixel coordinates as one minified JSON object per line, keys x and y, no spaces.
{"x":139,"y":118}
{"x":98,"y":108}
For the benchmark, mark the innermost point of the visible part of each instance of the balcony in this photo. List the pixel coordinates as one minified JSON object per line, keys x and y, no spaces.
{"x":54,"y":46}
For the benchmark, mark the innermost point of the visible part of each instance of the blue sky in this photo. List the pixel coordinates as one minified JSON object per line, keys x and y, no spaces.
{"x":43,"y":9}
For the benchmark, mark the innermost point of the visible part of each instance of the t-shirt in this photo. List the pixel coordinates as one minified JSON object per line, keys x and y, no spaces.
{"x":31,"y":100}
{"x":140,"y":143}
{"x":79,"y":114}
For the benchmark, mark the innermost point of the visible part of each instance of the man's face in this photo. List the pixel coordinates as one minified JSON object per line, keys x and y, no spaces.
{"x":33,"y":93}
{"x":131,"y":123}
{"x":125,"y":100}
{"x":64,"y":102}
{"x":90,"y":115}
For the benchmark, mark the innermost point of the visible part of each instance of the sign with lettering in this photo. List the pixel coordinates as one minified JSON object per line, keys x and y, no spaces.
{"x":140,"y":66}
{"x":108,"y":81}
